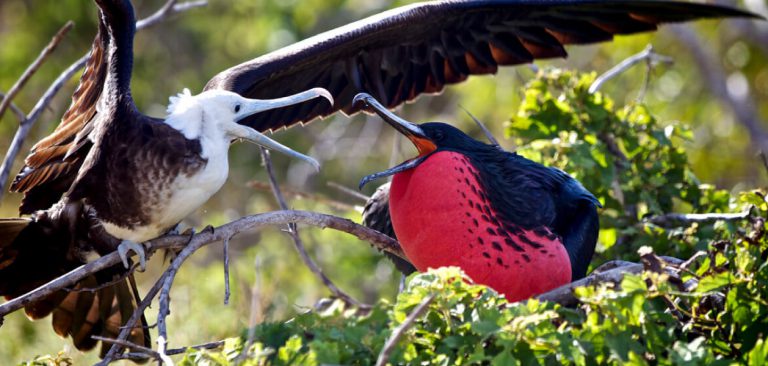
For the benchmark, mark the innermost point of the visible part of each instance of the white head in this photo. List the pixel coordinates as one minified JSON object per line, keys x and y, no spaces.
{"x":212,"y":117}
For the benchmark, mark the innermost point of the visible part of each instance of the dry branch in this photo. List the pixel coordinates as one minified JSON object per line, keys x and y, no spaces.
{"x":298,"y":243}
{"x":248,"y":223}
{"x":389,"y":346}
{"x":647,"y":55}
{"x":34,"y":66}
{"x":610,"y":272}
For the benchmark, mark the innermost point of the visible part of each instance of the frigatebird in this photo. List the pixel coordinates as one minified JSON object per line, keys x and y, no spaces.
{"x":109,"y":178}
{"x":395,"y":55}
{"x":510,"y":223}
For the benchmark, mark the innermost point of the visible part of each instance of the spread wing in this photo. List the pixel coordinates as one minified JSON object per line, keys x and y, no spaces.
{"x":399,"y":54}
{"x":52,"y":165}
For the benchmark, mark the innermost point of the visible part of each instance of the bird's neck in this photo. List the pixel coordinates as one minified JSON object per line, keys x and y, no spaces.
{"x":442,"y":216}
{"x":118,"y":26}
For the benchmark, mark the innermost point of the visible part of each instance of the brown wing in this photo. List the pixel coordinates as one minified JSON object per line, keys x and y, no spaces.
{"x":400,"y":54}
{"x":98,"y":305}
{"x":52,"y":165}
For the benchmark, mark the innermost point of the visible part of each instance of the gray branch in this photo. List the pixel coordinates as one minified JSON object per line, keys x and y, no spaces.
{"x":293,"y":232}
{"x":32,"y":68}
{"x":398,"y":333}
{"x":248,"y":223}
{"x":647,"y":55}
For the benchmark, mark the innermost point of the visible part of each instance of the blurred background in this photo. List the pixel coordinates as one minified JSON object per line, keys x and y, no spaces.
{"x":718,"y":85}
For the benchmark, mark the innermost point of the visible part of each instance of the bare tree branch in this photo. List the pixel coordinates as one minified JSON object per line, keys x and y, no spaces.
{"x":677,"y":219}
{"x":45,"y":100}
{"x":294,"y":193}
{"x":298,"y":243}
{"x":34,"y":66}
{"x":398,"y":333}
{"x":348,"y":191}
{"x":248,"y":223}
{"x":564,"y":295}
{"x":15,"y":109}
{"x":647,"y":55}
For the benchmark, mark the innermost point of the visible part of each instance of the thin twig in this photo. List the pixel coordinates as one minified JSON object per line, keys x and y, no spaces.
{"x":125,"y":331}
{"x":398,"y":333}
{"x":676,"y":219}
{"x":253,"y":318}
{"x":175,"y":351}
{"x":15,"y":109}
{"x":348,"y":191}
{"x":126,"y":344}
{"x":248,"y":223}
{"x":482,"y":126}
{"x":647,"y":55}
{"x":165,"y":294}
{"x":34,"y":66}
{"x":226,"y":271}
{"x":23,"y":131}
{"x":298,"y":243}
{"x":294,"y":193}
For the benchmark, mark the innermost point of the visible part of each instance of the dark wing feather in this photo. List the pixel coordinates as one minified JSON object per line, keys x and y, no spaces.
{"x":402,"y":53}
{"x":51,"y":166}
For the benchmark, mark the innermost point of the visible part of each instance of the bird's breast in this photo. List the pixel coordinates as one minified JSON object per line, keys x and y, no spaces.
{"x":168,"y":201}
{"x":442,"y":217}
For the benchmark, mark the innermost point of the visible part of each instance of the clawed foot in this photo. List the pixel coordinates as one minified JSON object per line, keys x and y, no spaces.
{"x":127,"y":245}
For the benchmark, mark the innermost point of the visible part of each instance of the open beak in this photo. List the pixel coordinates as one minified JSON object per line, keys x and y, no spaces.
{"x":252,"y":106}
{"x":412,"y":131}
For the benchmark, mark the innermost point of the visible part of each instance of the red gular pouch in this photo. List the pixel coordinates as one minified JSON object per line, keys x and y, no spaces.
{"x":442,"y":217}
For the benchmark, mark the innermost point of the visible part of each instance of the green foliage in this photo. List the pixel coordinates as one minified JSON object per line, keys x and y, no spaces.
{"x":632,"y":162}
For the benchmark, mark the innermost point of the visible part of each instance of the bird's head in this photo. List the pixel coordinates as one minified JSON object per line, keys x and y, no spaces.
{"x":427,"y":137}
{"x":213,"y":115}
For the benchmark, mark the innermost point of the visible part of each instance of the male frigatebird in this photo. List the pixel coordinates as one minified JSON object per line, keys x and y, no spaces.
{"x":110,"y":177}
{"x":395,"y":56}
{"x":510,"y":223}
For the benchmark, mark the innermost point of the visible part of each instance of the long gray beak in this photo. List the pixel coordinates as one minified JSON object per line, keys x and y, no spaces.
{"x":252,"y":106}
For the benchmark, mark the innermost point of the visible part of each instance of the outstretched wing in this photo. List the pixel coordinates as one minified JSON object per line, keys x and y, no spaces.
{"x":52,"y":165}
{"x":407,"y":51}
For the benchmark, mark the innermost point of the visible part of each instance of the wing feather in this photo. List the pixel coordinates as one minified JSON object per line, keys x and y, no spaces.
{"x":402,"y":53}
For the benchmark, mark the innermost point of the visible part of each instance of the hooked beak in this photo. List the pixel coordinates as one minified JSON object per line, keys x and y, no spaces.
{"x":252,"y":106}
{"x":412,"y":131}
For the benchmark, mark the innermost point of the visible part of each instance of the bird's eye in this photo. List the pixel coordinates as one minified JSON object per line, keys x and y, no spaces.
{"x":438,"y":135}
{"x":237,"y":108}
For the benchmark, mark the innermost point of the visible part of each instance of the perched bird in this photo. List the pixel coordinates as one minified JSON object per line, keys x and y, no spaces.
{"x":74,"y":190}
{"x":510,"y":223}
{"x":109,"y":178}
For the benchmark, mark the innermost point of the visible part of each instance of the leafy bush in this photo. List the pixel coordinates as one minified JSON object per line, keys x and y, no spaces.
{"x":710,"y":309}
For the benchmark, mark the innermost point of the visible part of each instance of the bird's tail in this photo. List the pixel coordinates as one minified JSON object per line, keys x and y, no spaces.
{"x":36,"y":251}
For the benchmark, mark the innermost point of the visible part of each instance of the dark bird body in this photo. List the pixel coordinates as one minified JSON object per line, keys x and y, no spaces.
{"x":109,"y":176}
{"x":510,"y":223}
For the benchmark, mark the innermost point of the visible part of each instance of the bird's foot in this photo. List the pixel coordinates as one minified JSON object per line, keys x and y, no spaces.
{"x":127,"y":245}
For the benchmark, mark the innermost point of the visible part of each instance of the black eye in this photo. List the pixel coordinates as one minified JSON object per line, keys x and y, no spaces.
{"x":438,"y":135}
{"x":237,"y":108}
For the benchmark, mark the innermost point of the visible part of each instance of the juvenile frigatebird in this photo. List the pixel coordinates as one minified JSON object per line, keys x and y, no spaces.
{"x":510,"y":223}
{"x":109,"y":178}
{"x":395,"y":55}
